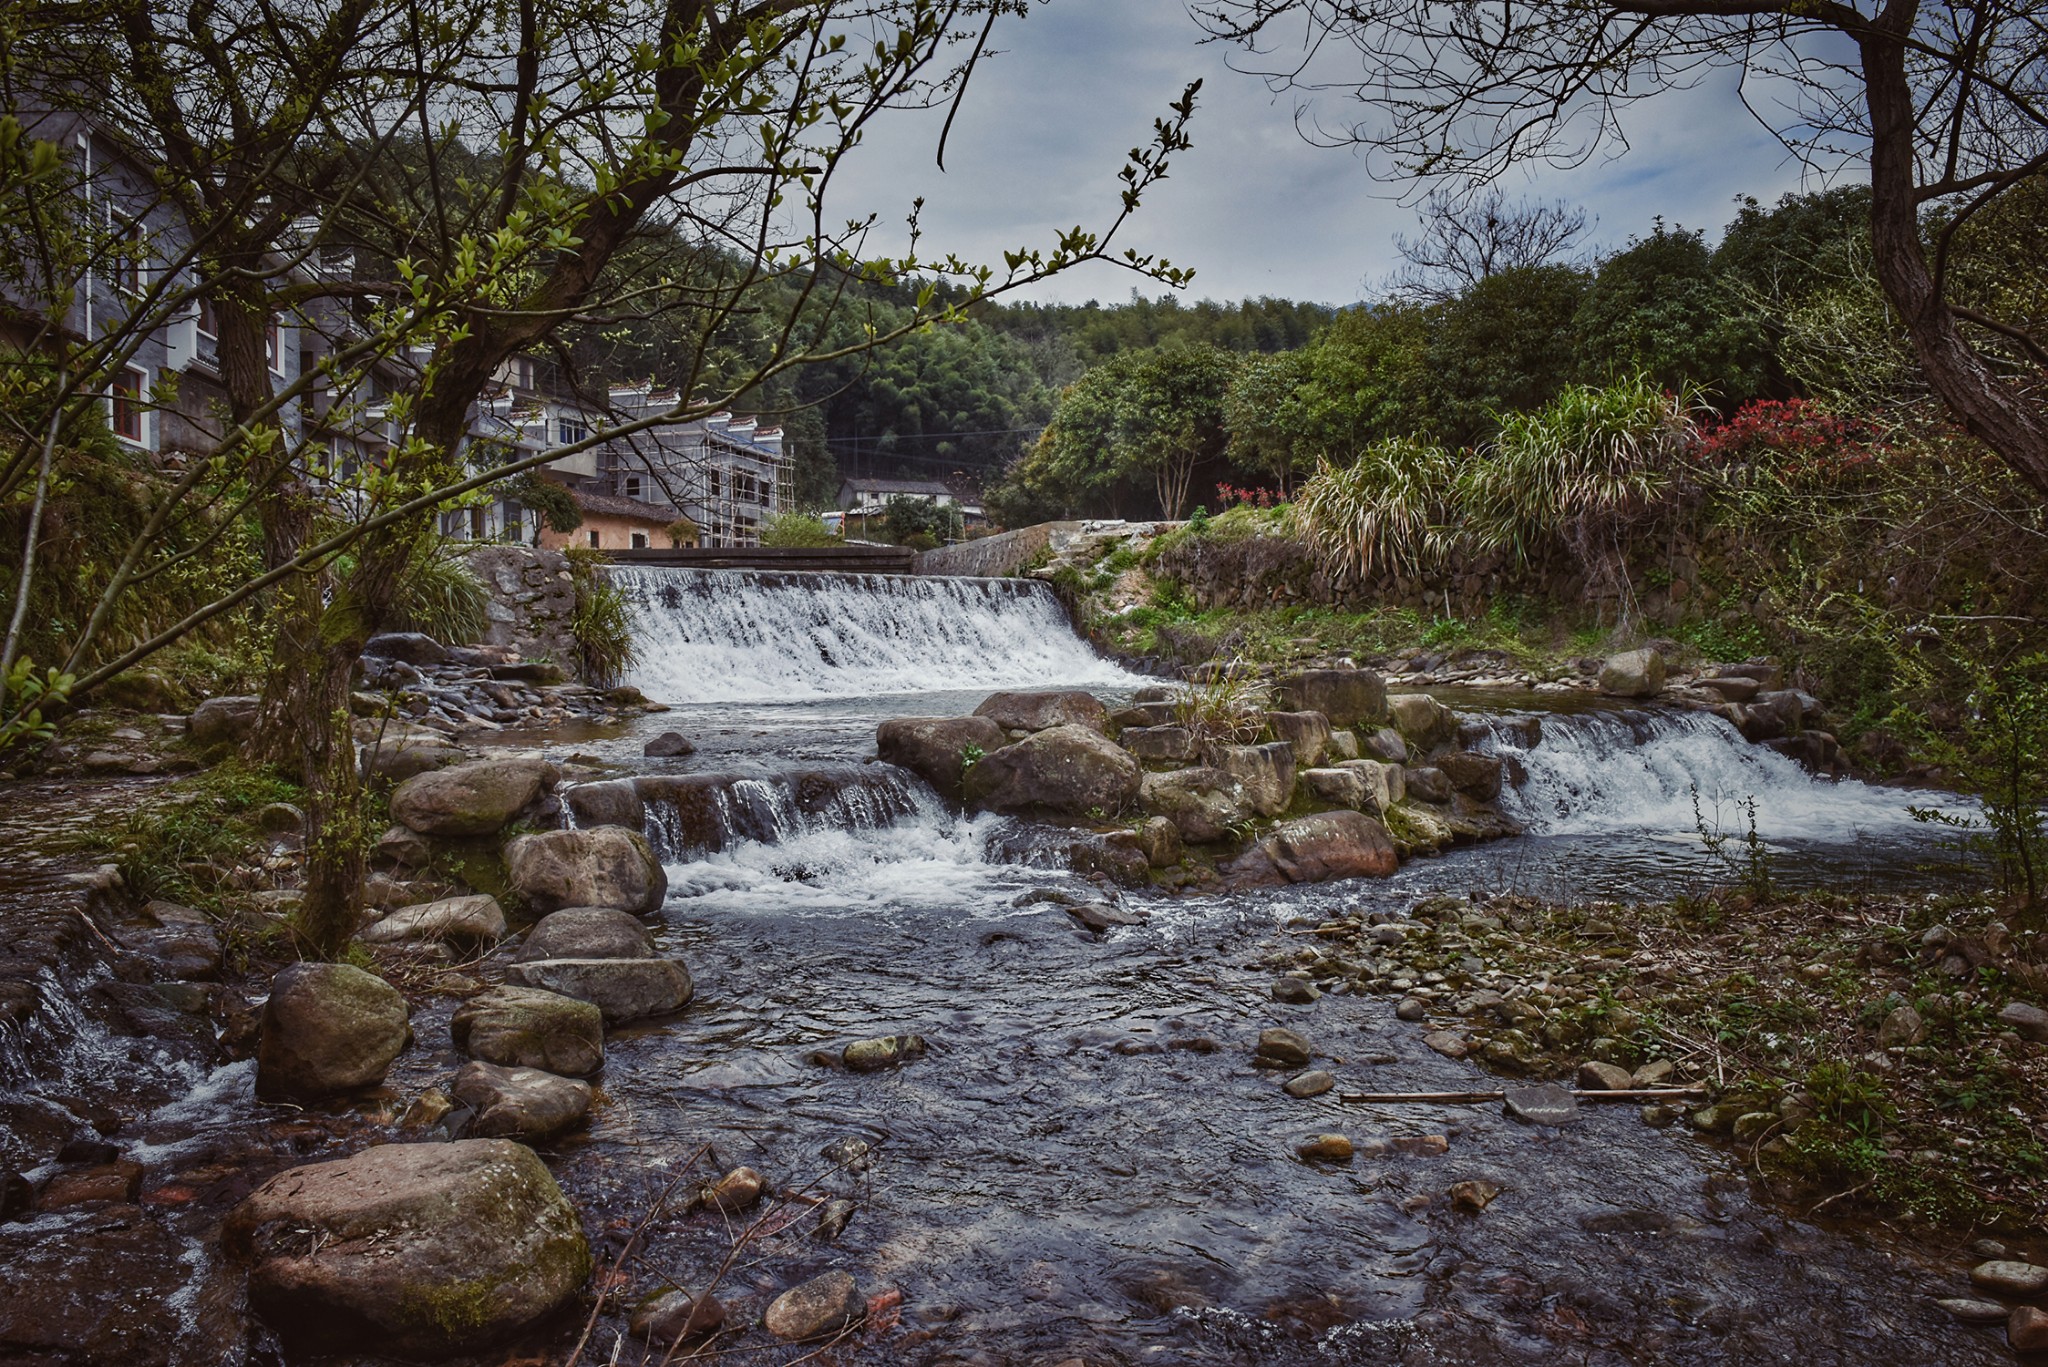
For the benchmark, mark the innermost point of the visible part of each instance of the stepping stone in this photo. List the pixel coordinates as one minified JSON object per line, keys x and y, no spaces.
{"x":1548,"y":1104}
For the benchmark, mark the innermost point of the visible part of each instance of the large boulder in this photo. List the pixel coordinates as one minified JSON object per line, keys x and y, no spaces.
{"x":1044,"y":709}
{"x":1422,"y":720}
{"x":1307,"y":732}
{"x":519,"y":1103}
{"x":1266,"y":771}
{"x":1316,"y":849}
{"x":472,"y":920}
{"x":408,"y":647}
{"x":394,"y":761}
{"x":1427,"y":784}
{"x":935,"y":748}
{"x":1386,"y":745}
{"x":476,"y":798}
{"x":1633,"y":674}
{"x":623,"y":989}
{"x":1475,"y":775}
{"x":587,"y":933}
{"x":419,"y":1250}
{"x":222,"y":721}
{"x":608,"y":866}
{"x":1771,"y":715}
{"x":529,"y":1027}
{"x":1204,"y":804}
{"x":1348,"y":697}
{"x":327,"y":1029}
{"x":1069,"y":770}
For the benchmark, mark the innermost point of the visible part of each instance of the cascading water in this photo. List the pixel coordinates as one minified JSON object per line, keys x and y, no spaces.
{"x":1611,"y":771}
{"x":708,"y":636}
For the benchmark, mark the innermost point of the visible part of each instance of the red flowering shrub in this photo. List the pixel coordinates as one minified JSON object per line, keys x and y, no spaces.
{"x":1230,"y":496}
{"x":1791,"y":438}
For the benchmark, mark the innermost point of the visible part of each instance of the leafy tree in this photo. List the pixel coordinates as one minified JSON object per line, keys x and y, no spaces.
{"x":1660,"y":309}
{"x":1950,"y":101}
{"x":921,"y":522}
{"x":1503,"y":346}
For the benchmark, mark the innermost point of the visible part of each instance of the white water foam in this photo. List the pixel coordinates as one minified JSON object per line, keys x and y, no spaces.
{"x":751,"y":636}
{"x":1598,"y":772}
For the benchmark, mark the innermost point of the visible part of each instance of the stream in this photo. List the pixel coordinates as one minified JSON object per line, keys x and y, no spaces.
{"x":1086,"y":1164}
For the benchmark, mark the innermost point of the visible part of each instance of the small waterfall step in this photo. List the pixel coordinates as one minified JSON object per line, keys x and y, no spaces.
{"x":710,"y":636}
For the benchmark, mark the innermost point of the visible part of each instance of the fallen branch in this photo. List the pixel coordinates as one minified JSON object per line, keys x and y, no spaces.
{"x":1472,"y":1098}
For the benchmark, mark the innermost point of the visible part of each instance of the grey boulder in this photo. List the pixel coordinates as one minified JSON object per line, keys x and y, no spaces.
{"x":476,"y":798}
{"x":623,"y":989}
{"x":471,"y":920}
{"x":327,"y":1029}
{"x":587,"y":933}
{"x":608,"y":866}
{"x":528,"y":1027}
{"x":519,"y":1103}
{"x":1067,"y":770}
{"x":936,"y":748}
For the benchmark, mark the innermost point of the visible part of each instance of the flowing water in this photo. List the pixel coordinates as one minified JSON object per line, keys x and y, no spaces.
{"x":1086,"y":1165}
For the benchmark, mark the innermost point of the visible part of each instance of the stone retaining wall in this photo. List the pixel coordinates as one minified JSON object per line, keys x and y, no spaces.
{"x":533,"y":597}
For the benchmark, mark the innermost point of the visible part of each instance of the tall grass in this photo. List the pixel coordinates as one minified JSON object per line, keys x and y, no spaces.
{"x":440,"y":596}
{"x":1388,"y":512}
{"x":600,"y":622}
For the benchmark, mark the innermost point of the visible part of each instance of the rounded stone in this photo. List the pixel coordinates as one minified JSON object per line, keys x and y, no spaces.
{"x":821,"y":1306}
{"x":520,"y":1103}
{"x":418,"y":1250}
{"x":327,"y":1029}
{"x":528,"y":1027}
{"x":1325,"y":1148}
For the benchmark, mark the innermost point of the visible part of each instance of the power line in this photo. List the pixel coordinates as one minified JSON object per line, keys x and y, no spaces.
{"x":933,"y":436}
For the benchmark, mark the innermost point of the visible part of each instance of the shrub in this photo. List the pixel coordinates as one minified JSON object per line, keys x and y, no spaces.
{"x":795,"y":531}
{"x":906,"y":517}
{"x":1387,"y":512}
{"x":441,"y":597}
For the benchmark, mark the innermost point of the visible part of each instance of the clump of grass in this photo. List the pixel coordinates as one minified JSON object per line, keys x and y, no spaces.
{"x":1229,"y":709}
{"x":183,"y":846}
{"x":1388,"y":512}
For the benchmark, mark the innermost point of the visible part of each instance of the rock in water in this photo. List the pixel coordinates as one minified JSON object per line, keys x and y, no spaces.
{"x":1203,"y":804}
{"x":1278,"y":1048}
{"x":422,"y":1250}
{"x":474,"y":920}
{"x":1548,"y":1104}
{"x":668,"y":745}
{"x":608,"y":866}
{"x":873,"y":1055}
{"x":623,"y":989}
{"x":1633,"y":674}
{"x":327,"y":1029}
{"x":526,"y":1027}
{"x":1325,"y":1148}
{"x":1473,"y":1196}
{"x":476,"y":798}
{"x":2027,"y":1330}
{"x":669,"y":1318}
{"x":2007,"y":1278}
{"x":1476,"y":776}
{"x":1348,"y":697}
{"x":823,"y":1305}
{"x":520,"y":1103}
{"x":1309,"y":1084}
{"x":1974,"y":1312}
{"x":409,"y":647}
{"x":587,"y":933}
{"x":1595,"y":1076}
{"x":936,"y":748}
{"x":1308,"y":733}
{"x":1068,"y":770}
{"x":1265,"y":772}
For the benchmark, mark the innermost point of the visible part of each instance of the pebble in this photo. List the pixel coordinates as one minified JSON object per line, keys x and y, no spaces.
{"x":1658,"y":1117}
{"x":1988,"y":1248}
{"x":1974,"y":1312}
{"x":850,"y":1153}
{"x":1447,"y":1044}
{"x":832,"y":1217}
{"x":1473,"y":1196}
{"x":1411,"y":1009}
{"x":823,"y":1305}
{"x":2027,"y":1330}
{"x":1325,"y":1148}
{"x":1279,"y":1048}
{"x":1548,"y":1104}
{"x":1294,"y":991}
{"x":735,"y":1191}
{"x":667,"y":745}
{"x":2030,"y":1021}
{"x":2005,"y":1278}
{"x":1309,"y":1084}
{"x":1656,"y":1074}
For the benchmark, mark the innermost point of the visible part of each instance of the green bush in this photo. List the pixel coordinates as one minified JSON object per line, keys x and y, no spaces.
{"x":1387,"y":512}
{"x":601,"y":623}
{"x":441,"y":597}
{"x":798,"y":531}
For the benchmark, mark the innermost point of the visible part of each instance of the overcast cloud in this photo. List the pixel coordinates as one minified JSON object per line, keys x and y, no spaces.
{"x":1253,"y":208}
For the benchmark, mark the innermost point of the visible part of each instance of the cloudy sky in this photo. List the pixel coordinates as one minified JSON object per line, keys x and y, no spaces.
{"x":1253,"y":208}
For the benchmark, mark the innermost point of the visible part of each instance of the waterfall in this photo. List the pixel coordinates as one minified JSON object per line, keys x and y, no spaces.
{"x":1620,"y":771}
{"x":708,"y":636}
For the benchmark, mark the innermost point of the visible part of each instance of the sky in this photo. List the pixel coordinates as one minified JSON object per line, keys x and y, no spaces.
{"x":1253,"y":208}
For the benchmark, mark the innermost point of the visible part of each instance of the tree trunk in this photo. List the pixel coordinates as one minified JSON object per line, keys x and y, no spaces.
{"x":1991,"y":409}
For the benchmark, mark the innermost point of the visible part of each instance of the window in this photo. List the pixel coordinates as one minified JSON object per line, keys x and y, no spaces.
{"x":273,"y":346}
{"x":639,"y":541}
{"x":632,"y":486}
{"x":130,"y":251}
{"x":717,"y":481}
{"x":571,"y":430}
{"x":593,"y":539}
{"x":209,"y":324}
{"x":125,"y":402}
